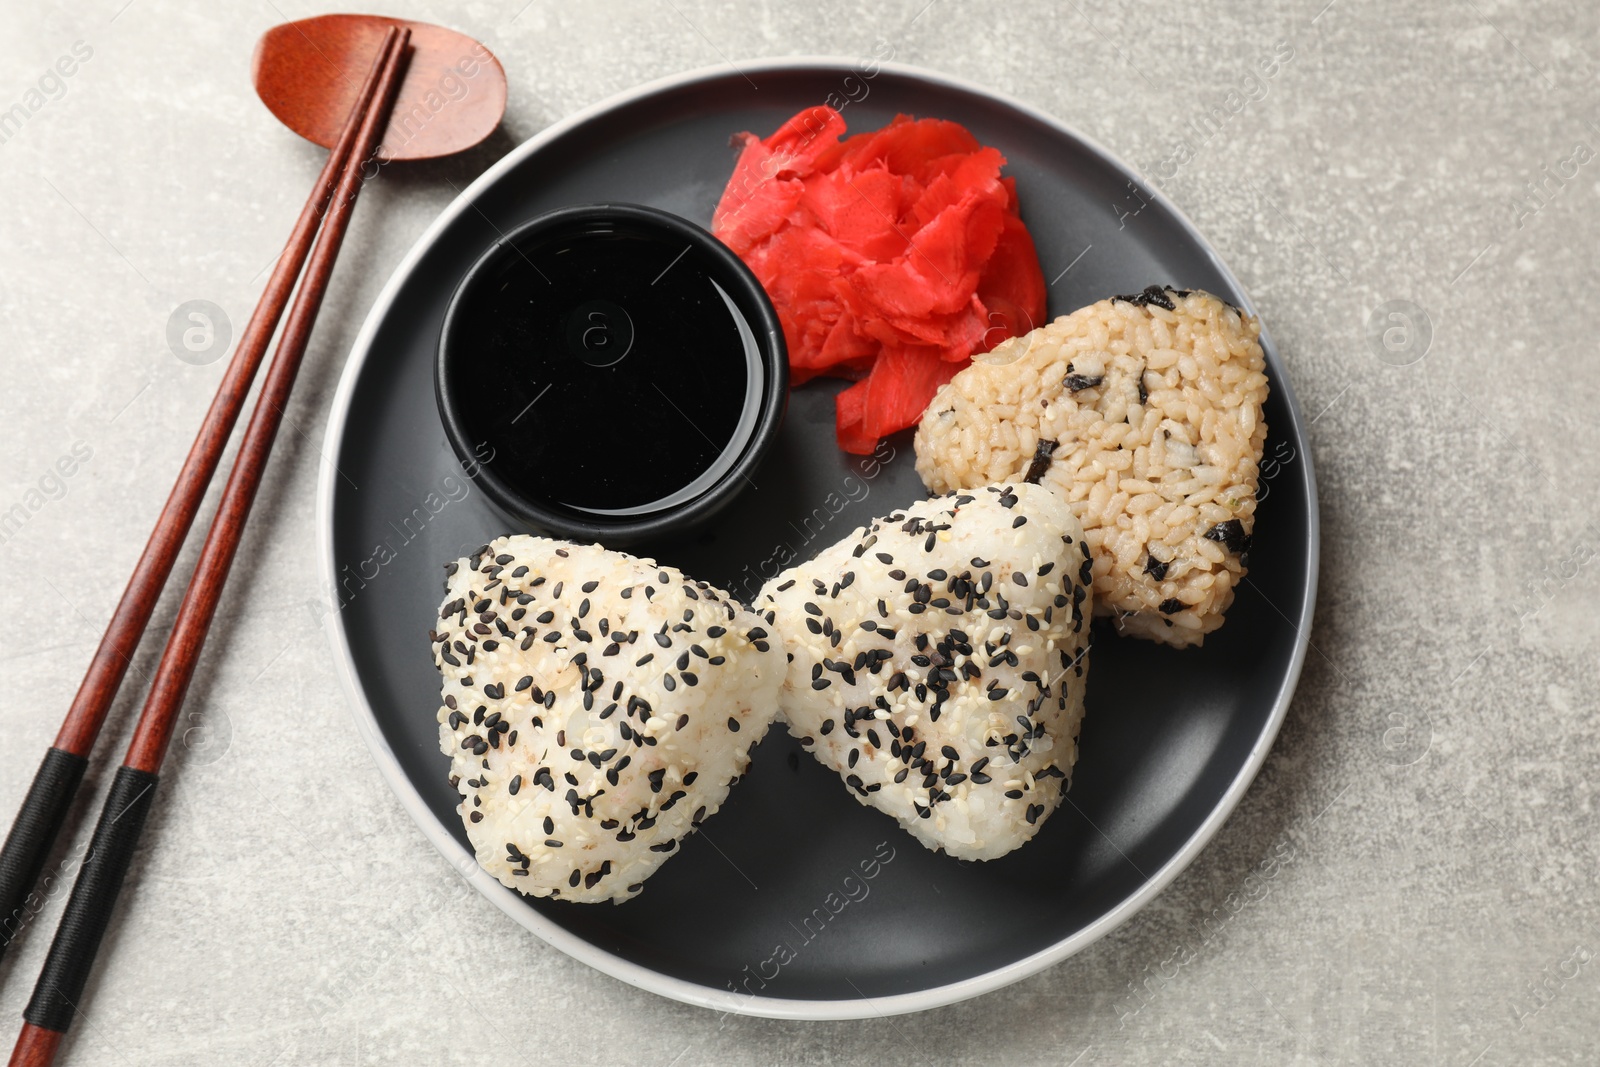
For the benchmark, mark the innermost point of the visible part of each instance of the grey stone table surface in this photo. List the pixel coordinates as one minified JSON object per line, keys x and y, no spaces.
{"x":1411,"y":880}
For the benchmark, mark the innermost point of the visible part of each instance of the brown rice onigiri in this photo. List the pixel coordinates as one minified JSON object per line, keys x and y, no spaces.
{"x":1144,"y":412}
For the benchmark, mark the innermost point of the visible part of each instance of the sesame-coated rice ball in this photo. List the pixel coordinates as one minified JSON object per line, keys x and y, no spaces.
{"x":596,"y":710}
{"x":938,"y":659}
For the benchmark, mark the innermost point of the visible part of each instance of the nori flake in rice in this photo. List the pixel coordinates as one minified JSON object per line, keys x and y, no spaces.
{"x":1230,"y":535}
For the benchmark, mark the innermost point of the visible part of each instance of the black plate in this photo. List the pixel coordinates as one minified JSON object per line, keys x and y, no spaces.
{"x":1171,"y":738}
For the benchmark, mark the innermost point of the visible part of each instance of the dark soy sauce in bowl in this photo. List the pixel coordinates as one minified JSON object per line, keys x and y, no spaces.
{"x":616,"y":366}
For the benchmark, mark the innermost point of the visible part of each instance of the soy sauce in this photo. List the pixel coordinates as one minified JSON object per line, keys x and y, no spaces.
{"x":607,"y":370}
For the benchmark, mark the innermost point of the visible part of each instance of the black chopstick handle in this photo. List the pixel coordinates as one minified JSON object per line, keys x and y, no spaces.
{"x":94,"y":895}
{"x":32,"y":834}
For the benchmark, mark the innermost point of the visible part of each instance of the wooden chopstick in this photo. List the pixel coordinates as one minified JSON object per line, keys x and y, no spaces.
{"x":48,"y":799}
{"x":59,"y":991}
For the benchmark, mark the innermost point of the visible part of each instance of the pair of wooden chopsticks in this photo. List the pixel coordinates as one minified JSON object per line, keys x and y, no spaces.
{"x":56,"y":997}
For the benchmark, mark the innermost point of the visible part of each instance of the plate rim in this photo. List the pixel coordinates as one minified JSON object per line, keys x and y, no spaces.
{"x":637,"y":975}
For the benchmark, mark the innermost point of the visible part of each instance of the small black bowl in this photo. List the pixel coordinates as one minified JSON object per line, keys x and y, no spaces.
{"x":610,"y":373}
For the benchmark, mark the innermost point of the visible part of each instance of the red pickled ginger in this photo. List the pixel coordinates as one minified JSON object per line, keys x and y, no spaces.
{"x":890,"y":256}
